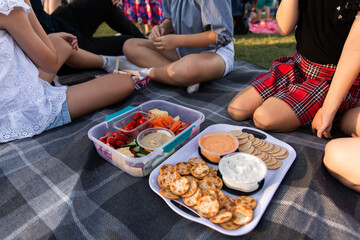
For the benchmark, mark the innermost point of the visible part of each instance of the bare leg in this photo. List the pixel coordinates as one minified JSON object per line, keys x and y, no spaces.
{"x":259,"y":12}
{"x":275,"y":115}
{"x":98,"y":93}
{"x":342,"y":160}
{"x":267,"y":12}
{"x":142,"y":52}
{"x":51,"y":5}
{"x":350,"y":123}
{"x":77,"y":59}
{"x":244,"y":104}
{"x":191,"y":69}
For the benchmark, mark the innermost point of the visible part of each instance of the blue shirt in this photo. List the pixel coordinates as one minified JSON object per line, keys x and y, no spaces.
{"x":196,"y":16}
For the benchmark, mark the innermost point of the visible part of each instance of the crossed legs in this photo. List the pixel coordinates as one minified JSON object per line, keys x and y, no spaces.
{"x":270,"y":115}
{"x":169,"y":69}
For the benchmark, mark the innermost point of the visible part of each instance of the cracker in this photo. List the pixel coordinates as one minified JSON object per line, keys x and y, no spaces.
{"x":229,"y":202}
{"x":199,"y":170}
{"x":180,"y":186}
{"x":195,"y":160}
{"x":222,"y":216}
{"x":212,"y":171}
{"x":247,"y":201}
{"x":229,"y":225}
{"x":216,"y":180}
{"x":193,"y":199}
{"x":206,"y":185}
{"x":191,"y":177}
{"x":251,"y":137}
{"x":166,"y":167}
{"x":275,"y":165}
{"x":183,"y":168}
{"x":245,"y":146}
{"x":209,"y":192}
{"x":165,"y":178}
{"x":276,"y":149}
{"x":237,"y":133}
{"x":250,"y":150}
{"x":242,"y":140}
{"x":207,"y":206}
{"x":241,"y":215}
{"x":192,"y":189}
{"x":165,"y":192}
{"x":220,"y":197}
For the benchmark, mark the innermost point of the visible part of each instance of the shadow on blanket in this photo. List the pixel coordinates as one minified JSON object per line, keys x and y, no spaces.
{"x":56,"y":186}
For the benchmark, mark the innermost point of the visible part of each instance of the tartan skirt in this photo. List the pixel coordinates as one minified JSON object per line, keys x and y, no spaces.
{"x":303,"y":85}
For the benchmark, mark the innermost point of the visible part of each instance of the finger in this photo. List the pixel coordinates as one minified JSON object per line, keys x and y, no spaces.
{"x":327,"y":134}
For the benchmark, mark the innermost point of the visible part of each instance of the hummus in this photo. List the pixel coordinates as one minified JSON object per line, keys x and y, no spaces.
{"x":214,"y":145}
{"x":155,"y":139}
{"x":242,"y":171}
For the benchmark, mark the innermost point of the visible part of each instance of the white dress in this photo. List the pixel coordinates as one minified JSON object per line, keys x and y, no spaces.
{"x":28,"y":104}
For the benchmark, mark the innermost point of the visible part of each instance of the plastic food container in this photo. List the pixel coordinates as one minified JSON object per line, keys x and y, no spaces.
{"x":132,"y":134}
{"x":142,"y":166}
{"x":153,"y":143}
{"x":214,"y":145}
{"x":242,"y":171}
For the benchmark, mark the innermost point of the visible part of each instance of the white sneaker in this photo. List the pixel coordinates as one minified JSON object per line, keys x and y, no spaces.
{"x":126,"y":64}
{"x":193,"y":88}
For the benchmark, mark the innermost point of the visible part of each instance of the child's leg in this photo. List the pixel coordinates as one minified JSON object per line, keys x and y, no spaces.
{"x":77,"y":59}
{"x":244,"y":104}
{"x":191,"y":69}
{"x":342,"y":160}
{"x":275,"y":115}
{"x":350,"y":122}
{"x":267,"y":12}
{"x":142,"y":52}
{"x":98,"y":93}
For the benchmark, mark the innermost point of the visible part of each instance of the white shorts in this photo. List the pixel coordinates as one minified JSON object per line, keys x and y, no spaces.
{"x":227,"y":53}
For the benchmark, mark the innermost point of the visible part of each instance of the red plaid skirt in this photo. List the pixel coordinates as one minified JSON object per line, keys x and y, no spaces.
{"x":303,"y":85}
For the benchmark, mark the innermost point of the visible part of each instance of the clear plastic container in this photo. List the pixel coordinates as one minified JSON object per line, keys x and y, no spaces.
{"x":142,"y":166}
{"x":148,"y":131}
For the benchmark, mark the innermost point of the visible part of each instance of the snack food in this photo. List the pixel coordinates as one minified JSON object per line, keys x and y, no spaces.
{"x":213,"y":145}
{"x":203,"y":193}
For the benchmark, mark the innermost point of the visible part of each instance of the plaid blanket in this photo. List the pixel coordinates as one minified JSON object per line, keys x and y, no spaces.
{"x":56,"y":186}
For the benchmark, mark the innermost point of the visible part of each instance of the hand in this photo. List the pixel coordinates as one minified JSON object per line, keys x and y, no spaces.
{"x":71,"y":39}
{"x":116,"y":2}
{"x":322,"y":123}
{"x":156,"y":32}
{"x":166,"y":43}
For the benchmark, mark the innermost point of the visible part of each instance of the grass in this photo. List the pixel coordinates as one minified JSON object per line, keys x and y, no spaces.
{"x":259,"y":49}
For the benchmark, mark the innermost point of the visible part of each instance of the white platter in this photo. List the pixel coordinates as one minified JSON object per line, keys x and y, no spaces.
{"x":263,"y":196}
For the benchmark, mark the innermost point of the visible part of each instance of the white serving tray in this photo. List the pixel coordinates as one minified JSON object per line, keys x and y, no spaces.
{"x":263,"y":196}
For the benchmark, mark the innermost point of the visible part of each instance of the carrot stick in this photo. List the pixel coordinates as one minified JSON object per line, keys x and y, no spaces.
{"x":176,"y":125}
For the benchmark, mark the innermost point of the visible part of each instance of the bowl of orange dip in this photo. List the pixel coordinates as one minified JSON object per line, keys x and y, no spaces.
{"x":214,"y":145}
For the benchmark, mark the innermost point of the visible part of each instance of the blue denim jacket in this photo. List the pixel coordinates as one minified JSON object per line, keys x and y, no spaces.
{"x":196,"y":16}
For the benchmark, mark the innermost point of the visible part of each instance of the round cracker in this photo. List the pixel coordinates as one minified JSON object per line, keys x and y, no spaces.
{"x":180,"y":186}
{"x":193,"y":199}
{"x":216,"y":180}
{"x":168,"y":194}
{"x":229,"y":225}
{"x":206,"y":184}
{"x":275,"y":165}
{"x":247,"y":201}
{"x":245,"y":146}
{"x":199,"y":170}
{"x":166,"y":167}
{"x":212,"y":171}
{"x":229,"y":202}
{"x":165,"y":178}
{"x":241,"y":215}
{"x":220,"y":197}
{"x":236,"y":133}
{"x":242,"y":140}
{"x":276,"y":149}
{"x":222,"y":216}
{"x":250,"y":150}
{"x":183,"y":168}
{"x":207,"y":206}
{"x":195,"y":160}
{"x":192,"y":189}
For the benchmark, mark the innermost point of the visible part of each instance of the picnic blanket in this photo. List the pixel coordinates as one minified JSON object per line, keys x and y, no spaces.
{"x":56,"y":186}
{"x":264,"y":27}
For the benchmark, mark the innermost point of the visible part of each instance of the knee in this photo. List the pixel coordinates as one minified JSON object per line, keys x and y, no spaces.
{"x":131,"y":46}
{"x":237,"y":114}
{"x":187,"y":76}
{"x":263,"y":119}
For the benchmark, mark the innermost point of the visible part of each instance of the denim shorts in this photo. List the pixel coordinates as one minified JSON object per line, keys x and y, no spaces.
{"x":62,"y":118}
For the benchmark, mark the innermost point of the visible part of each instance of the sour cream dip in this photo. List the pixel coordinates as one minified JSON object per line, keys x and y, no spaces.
{"x":242,"y":171}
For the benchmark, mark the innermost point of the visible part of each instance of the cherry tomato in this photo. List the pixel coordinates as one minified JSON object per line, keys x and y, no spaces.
{"x":137,"y":116}
{"x":130,"y":126}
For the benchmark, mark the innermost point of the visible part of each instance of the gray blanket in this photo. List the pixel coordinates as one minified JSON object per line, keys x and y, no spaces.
{"x":56,"y":186}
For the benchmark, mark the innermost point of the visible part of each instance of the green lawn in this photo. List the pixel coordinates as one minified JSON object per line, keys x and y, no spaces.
{"x":259,"y":49}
